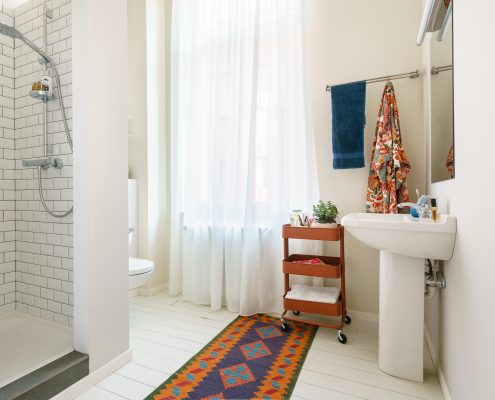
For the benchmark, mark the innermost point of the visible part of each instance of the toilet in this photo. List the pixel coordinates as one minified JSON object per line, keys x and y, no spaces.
{"x":140,"y":270}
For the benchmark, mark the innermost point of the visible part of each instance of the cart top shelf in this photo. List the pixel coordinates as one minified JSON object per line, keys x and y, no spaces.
{"x":328,"y":234}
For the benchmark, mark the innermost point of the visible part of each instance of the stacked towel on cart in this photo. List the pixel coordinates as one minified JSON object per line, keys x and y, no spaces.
{"x":314,"y":293}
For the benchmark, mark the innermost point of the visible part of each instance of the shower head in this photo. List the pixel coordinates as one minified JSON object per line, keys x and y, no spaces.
{"x":10,"y":31}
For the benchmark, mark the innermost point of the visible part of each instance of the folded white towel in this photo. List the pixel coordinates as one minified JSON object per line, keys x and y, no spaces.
{"x":314,"y":293}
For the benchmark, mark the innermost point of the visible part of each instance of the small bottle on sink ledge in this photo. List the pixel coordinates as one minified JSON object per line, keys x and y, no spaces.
{"x":434,"y":214}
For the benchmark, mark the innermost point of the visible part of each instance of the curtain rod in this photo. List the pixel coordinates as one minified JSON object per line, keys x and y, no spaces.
{"x":413,"y":74}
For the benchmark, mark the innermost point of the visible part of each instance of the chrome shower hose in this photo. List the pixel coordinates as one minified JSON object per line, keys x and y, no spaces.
{"x":69,"y":140}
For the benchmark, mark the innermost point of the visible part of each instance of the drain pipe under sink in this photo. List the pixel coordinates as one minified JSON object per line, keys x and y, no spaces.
{"x":433,"y":279}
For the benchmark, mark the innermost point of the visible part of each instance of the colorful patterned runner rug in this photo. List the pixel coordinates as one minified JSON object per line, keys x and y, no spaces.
{"x":252,"y":358}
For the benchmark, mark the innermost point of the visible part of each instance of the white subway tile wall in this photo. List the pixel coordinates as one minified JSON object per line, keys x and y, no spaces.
{"x":35,"y":245}
{"x":7,"y":169}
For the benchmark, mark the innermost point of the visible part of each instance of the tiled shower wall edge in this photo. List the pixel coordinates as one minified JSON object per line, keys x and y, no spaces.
{"x":7,"y":168}
{"x":43,"y":244}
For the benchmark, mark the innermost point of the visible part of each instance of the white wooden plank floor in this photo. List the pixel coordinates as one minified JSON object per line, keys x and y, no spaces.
{"x":165,"y":332}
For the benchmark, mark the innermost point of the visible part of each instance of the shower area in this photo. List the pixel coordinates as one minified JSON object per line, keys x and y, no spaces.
{"x":36,"y":263}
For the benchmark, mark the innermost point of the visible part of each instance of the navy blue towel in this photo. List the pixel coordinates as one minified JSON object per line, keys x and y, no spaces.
{"x":348,"y":121}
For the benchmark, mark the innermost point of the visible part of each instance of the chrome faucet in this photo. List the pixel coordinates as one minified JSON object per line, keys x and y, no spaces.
{"x":422,"y":206}
{"x":44,"y":163}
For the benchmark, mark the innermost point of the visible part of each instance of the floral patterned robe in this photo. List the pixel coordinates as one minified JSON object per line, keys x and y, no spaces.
{"x":387,"y":185}
{"x":450,"y":162}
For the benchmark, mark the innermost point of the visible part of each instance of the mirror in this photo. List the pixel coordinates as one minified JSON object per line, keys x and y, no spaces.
{"x":442,"y":107}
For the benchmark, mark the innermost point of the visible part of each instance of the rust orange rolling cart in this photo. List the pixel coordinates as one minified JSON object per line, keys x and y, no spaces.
{"x":332,"y":267}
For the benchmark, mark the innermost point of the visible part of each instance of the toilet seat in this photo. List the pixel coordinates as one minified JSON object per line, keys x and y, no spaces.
{"x":138,"y":266}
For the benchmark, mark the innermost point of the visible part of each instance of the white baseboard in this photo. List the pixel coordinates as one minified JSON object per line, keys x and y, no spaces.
{"x":154,"y":290}
{"x":147,"y":292}
{"x":94,"y":377}
{"x":438,"y":367}
{"x":363,"y":316}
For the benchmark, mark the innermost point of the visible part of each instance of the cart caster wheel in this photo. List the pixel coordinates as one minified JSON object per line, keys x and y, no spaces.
{"x":347,"y":319}
{"x":342,"y":337}
{"x":295,"y":312}
{"x":285,"y":326}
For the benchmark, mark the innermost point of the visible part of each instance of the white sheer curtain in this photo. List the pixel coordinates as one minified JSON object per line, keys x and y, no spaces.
{"x":242,"y":151}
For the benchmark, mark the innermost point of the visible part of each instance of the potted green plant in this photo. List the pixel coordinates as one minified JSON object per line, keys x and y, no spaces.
{"x":325,"y":213}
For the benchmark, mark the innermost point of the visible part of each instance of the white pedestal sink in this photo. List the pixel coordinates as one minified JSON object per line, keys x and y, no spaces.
{"x":404,"y":243}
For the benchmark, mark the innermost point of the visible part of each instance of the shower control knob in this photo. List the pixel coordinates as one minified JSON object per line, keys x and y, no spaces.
{"x":58,"y":163}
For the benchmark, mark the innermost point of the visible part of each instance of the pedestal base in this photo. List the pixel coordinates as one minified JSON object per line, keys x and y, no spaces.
{"x":401,"y":316}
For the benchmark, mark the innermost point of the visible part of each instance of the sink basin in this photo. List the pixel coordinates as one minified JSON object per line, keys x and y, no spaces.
{"x":404,"y":243}
{"x":402,"y":234}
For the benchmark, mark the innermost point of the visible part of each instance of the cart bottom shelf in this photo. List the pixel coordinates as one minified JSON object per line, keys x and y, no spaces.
{"x":314,"y":307}
{"x":323,"y":311}
{"x":287,"y":318}
{"x":317,"y":319}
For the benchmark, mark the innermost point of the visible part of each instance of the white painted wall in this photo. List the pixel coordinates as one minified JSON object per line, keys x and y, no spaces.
{"x":148,"y":97}
{"x":465,"y":314}
{"x":136,"y":89}
{"x":100,"y":179}
{"x":158,"y":17}
{"x":348,"y":41}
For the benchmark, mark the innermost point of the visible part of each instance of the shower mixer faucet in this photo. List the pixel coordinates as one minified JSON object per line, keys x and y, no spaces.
{"x":44,"y":163}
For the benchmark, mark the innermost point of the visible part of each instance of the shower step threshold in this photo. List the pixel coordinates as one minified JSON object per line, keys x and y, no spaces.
{"x":47,"y":381}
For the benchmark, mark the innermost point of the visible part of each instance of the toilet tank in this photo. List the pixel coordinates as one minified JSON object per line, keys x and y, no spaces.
{"x":133,"y":217}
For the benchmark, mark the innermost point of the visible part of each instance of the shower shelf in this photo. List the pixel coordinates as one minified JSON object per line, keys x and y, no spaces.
{"x":41,"y":95}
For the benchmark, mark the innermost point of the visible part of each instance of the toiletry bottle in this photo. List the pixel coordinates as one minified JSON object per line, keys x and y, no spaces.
{"x":46,"y":82}
{"x":295,"y":218}
{"x":434,"y":209}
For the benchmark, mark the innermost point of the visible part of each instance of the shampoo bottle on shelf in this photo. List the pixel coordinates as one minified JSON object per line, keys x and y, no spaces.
{"x":46,"y":82}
